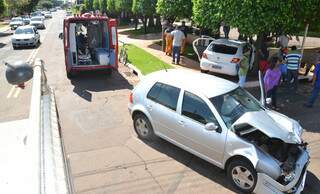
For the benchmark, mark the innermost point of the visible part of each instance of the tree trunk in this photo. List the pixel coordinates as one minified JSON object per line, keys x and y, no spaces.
{"x":261,"y":53}
{"x":136,"y":21}
{"x":145,"y":24}
{"x":151,"y":21}
{"x":158,"y":21}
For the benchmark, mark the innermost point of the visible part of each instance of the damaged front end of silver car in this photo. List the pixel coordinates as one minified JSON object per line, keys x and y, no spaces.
{"x":278,"y":154}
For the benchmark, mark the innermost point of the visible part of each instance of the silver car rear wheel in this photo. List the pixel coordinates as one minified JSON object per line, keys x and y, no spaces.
{"x":143,"y":127}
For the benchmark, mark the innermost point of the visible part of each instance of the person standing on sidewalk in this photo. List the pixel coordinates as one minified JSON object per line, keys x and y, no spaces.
{"x":243,"y":69}
{"x":293,"y":63}
{"x":168,"y":38}
{"x":271,"y":80}
{"x":316,"y":86}
{"x":185,"y":30}
{"x":178,"y":38}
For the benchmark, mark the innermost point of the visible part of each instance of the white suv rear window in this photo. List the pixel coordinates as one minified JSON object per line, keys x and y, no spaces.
{"x":224,"y":49}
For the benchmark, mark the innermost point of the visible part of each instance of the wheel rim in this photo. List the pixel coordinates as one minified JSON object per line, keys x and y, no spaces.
{"x":242,"y":177}
{"x":142,"y":128}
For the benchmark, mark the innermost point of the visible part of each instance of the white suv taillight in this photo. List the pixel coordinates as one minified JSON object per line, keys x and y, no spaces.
{"x":131,"y":98}
{"x":235,"y":60}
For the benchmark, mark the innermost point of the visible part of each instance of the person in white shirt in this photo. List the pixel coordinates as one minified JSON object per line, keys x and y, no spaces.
{"x":178,"y":38}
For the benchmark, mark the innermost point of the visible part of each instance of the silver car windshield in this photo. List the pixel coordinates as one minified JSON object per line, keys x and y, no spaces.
{"x":36,"y":19}
{"x":232,"y":105}
{"x":16,"y":20}
{"x":24,"y":31}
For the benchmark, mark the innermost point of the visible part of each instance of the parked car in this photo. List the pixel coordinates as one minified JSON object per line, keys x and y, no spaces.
{"x":68,"y":13}
{"x":261,"y":150}
{"x":47,"y":14}
{"x":26,"y":19}
{"x":38,"y":22}
{"x":16,"y":22}
{"x":224,"y":55}
{"x":25,"y":36}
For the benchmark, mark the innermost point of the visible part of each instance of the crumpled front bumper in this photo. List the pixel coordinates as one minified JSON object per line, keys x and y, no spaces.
{"x":267,"y":185}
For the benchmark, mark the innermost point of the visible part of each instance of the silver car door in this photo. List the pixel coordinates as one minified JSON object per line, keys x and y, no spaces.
{"x":161,"y":103}
{"x":195,"y":114}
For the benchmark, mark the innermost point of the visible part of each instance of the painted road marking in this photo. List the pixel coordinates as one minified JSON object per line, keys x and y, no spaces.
{"x":16,"y":94}
{"x":11,"y":91}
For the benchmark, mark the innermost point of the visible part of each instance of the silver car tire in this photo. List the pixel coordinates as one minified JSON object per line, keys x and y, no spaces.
{"x":242,"y":175}
{"x":143,"y":127}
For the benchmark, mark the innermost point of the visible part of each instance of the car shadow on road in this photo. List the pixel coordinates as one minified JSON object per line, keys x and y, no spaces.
{"x":85,"y":83}
{"x":312,"y":185}
{"x":193,"y":162}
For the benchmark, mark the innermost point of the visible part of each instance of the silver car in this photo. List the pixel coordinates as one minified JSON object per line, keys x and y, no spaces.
{"x":38,"y":22}
{"x":261,"y":150}
{"x":25,"y":36}
{"x":16,"y":22}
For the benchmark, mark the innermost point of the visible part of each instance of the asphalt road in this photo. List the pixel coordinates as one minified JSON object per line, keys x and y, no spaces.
{"x":104,"y":154}
{"x":14,"y":100}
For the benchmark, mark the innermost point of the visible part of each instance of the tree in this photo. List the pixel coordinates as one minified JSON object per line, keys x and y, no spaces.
{"x":103,"y":5}
{"x":172,"y":9}
{"x":111,"y":7}
{"x":88,"y":4}
{"x":96,"y":5}
{"x":2,"y":7}
{"x":144,"y":9}
{"x":45,"y":4}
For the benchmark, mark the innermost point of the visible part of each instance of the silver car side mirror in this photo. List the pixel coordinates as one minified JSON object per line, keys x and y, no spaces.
{"x":268,"y":101}
{"x":211,"y":127}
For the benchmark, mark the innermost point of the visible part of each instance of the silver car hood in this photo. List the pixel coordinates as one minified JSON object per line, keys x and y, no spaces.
{"x":23,"y":36}
{"x":36,"y":22}
{"x":274,"y":125}
{"x":16,"y":23}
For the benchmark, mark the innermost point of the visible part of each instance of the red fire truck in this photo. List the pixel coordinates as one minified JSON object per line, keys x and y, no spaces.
{"x":90,"y":44}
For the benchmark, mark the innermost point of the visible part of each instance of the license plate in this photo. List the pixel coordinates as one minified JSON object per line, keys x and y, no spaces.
{"x":216,"y":67}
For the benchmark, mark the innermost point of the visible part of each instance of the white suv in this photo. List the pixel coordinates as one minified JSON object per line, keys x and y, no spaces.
{"x":223,"y":56}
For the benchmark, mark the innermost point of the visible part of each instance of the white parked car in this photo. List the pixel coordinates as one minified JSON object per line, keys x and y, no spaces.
{"x":38,"y":22}
{"x":25,"y":36}
{"x":47,"y":14}
{"x":16,"y":22}
{"x":224,"y":55}
{"x":261,"y":150}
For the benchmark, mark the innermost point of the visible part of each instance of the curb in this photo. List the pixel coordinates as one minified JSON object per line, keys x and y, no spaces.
{"x":135,"y":70}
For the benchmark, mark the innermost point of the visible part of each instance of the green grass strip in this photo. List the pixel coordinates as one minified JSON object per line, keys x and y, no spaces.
{"x":144,"y":61}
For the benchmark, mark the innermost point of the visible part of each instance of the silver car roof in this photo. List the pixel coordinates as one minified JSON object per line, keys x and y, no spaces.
{"x":207,"y":85}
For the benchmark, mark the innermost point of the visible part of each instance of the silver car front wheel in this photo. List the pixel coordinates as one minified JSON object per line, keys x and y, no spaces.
{"x":242,"y":175}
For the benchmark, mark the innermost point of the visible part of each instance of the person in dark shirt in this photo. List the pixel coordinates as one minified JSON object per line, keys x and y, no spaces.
{"x":316,"y":86}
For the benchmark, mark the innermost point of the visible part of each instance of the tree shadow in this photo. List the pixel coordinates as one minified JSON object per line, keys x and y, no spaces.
{"x":85,"y":83}
{"x":193,"y":162}
{"x":3,"y":34}
{"x":149,"y":36}
{"x":2,"y":45}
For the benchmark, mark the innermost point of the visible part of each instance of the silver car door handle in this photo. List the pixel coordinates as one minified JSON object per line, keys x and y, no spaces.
{"x":181,"y":123}
{"x":149,"y":107}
